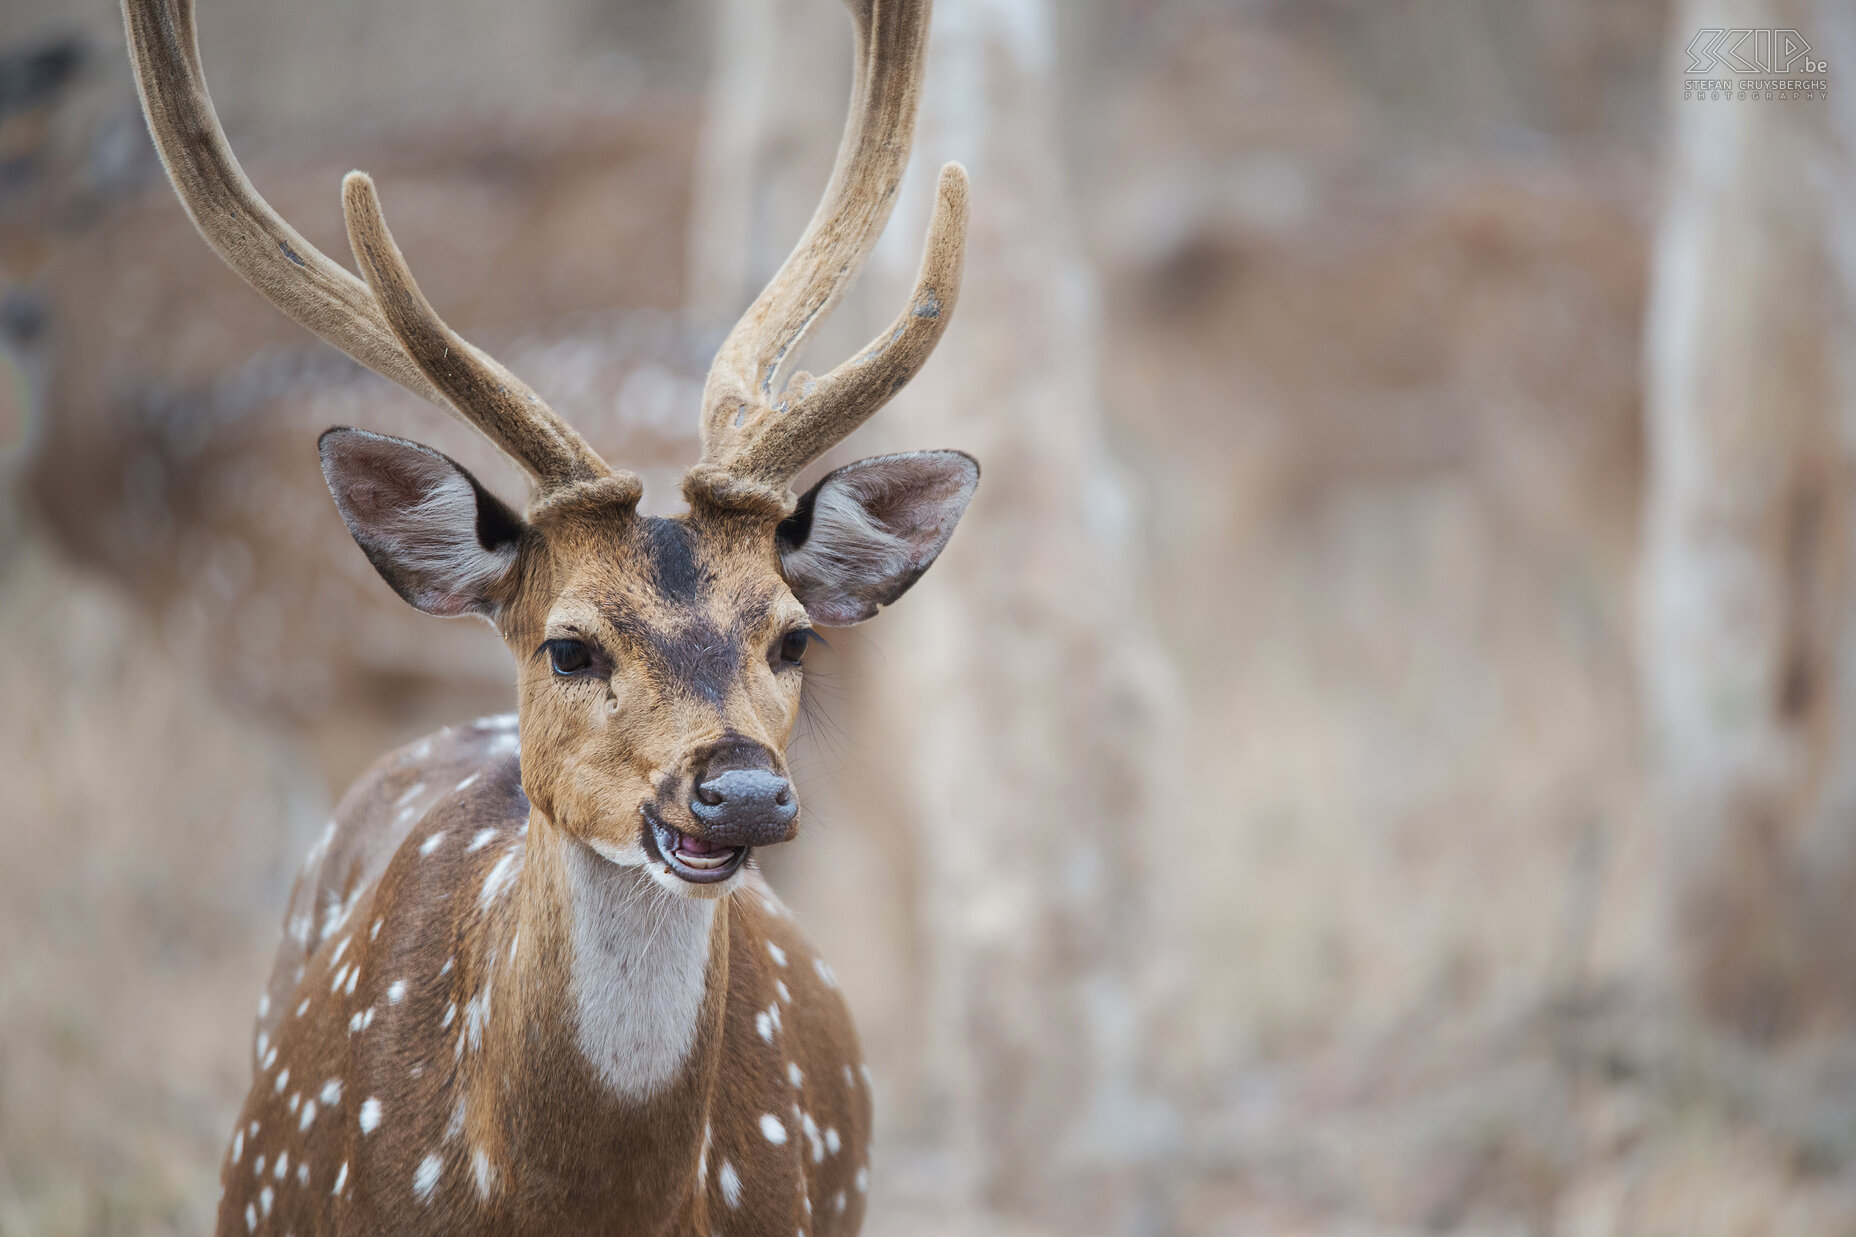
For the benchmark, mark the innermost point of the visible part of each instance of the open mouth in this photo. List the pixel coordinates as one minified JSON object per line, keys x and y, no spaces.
{"x":692,"y":859}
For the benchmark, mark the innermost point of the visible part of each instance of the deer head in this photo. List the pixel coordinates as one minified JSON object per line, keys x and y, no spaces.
{"x":659,"y":659}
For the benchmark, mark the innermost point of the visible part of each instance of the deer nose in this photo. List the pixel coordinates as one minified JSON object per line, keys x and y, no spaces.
{"x":745,"y":807}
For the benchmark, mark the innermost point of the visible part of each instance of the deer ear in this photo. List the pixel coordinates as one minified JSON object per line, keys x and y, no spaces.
{"x":444,"y":543}
{"x":866,"y":532}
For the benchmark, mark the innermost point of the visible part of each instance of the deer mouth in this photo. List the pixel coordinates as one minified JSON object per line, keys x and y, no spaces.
{"x":692,"y":859}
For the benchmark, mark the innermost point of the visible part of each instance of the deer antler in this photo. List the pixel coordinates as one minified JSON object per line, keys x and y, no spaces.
{"x":385,"y":323}
{"x":757,"y":431}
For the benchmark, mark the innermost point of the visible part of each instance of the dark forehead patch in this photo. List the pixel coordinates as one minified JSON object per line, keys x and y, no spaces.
{"x":682,"y":648}
{"x":689,"y":614}
{"x":677,"y":572}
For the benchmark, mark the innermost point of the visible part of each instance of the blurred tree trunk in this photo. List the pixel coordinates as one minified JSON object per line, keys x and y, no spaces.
{"x":1021,"y":702}
{"x":776,"y":100}
{"x":1749,"y":644}
{"x":1025,"y":687}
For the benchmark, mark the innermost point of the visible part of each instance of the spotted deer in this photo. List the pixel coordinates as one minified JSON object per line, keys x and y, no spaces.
{"x":530,"y":980}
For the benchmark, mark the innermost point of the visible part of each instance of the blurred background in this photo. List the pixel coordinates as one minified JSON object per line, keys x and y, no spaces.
{"x":1378,"y":758}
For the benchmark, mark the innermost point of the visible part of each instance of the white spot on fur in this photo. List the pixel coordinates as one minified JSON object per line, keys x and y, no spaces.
{"x":468,"y":782}
{"x":639,"y":970}
{"x":771,"y":1129}
{"x":412,"y":792}
{"x":264,"y":1005}
{"x":302,"y":1173}
{"x":764,"y":1025}
{"x":251,"y":1217}
{"x":309,"y":1115}
{"x":425,"y":1177}
{"x":702,"y":1158}
{"x":295,"y":1099}
{"x":331,"y":1094}
{"x":283,"y":1166}
{"x":283,"y":1079}
{"x":812,"y":1137}
{"x":863,"y":1181}
{"x":370,"y":1115}
{"x":257,"y":1166}
{"x":498,"y":879}
{"x":824,"y":972}
{"x":302,"y":1007}
{"x":348,"y":988}
{"x":341,"y":1178}
{"x":786,"y":994}
{"x":779,"y":955}
{"x":795,"y":1075}
{"x":432,"y":843}
{"x":451,"y":1011}
{"x":337,"y":913}
{"x":476,"y":1013}
{"x":238,"y":1145}
{"x":839,"y":1203}
{"x":375,"y":930}
{"x":270,"y":1058}
{"x":484,"y":838}
{"x":483,"y":1172}
{"x":264,"y":1042}
{"x":340,"y":976}
{"x":832,"y":1141}
{"x":730,"y":1181}
{"x":396,"y":992}
{"x":340,"y":947}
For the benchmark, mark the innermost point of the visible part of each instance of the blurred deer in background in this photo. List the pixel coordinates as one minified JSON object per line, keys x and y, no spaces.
{"x":529,"y":980}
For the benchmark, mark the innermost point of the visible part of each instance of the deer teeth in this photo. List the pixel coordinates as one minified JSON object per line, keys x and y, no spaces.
{"x":706,"y":863}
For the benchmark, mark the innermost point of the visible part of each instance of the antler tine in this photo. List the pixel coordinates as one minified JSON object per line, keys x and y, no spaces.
{"x":494,"y":400}
{"x":299,"y":279}
{"x":758,"y":435}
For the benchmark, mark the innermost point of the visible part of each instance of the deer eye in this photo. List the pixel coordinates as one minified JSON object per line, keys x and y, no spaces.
{"x":793,"y":647}
{"x":569,"y":656}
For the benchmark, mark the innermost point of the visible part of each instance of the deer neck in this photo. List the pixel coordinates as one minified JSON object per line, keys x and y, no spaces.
{"x":613,"y":1018}
{"x":639,"y":974}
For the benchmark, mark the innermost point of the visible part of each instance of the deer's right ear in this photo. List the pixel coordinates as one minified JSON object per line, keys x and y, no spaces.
{"x":444,"y":543}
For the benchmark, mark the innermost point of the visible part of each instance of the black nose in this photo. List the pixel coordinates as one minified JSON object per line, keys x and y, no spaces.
{"x":745,"y":807}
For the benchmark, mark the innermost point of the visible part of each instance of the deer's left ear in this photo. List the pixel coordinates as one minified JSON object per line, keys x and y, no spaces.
{"x":866,"y":532}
